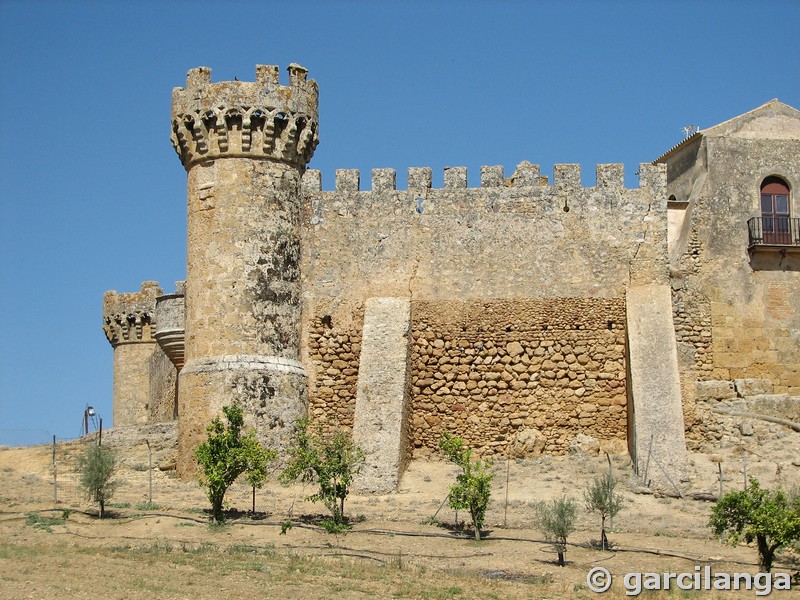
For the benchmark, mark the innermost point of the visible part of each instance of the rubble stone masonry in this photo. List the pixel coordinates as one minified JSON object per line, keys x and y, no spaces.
{"x":489,"y":371}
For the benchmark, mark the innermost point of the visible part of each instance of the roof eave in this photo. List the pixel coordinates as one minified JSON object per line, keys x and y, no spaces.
{"x":678,"y":147}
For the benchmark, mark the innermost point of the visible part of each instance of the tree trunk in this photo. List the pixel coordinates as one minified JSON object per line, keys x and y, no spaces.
{"x":477,"y":527}
{"x":603,"y":538}
{"x":561,"y":561}
{"x":216,"y":510}
{"x":766,"y":553}
{"x":102,"y":508}
{"x":254,"y":499}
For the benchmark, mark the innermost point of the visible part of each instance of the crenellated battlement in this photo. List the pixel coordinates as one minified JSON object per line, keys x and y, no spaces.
{"x":128,"y":317}
{"x":566,"y":178}
{"x":260,"y":119}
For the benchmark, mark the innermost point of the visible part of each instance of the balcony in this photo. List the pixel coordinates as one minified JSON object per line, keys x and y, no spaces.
{"x":780,"y":234}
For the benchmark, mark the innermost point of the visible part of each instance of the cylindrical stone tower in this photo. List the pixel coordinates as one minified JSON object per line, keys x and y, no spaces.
{"x":170,"y":316}
{"x":128,"y":328}
{"x":244,"y":146}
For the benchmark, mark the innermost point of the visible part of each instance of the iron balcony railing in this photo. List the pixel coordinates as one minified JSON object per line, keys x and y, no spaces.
{"x":781,"y":232}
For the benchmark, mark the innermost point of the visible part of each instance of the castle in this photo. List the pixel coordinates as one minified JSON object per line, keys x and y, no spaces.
{"x":521,"y":315}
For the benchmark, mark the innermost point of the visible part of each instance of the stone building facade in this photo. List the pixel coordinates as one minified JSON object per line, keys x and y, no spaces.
{"x":522,"y":315}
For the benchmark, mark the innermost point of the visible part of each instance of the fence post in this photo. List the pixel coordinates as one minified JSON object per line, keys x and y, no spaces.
{"x":149,"y":472}
{"x":505,"y":510}
{"x":55,"y":474}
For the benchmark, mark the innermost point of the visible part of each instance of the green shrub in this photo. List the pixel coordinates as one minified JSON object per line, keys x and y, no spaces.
{"x":770,"y":518}
{"x":37,"y":521}
{"x":556,"y":519}
{"x":472,"y":489}
{"x":226,"y":454}
{"x":96,"y":466}
{"x":331,"y":463}
{"x":602,"y":498}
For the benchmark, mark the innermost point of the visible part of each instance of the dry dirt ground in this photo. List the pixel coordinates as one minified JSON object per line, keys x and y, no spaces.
{"x":402,"y":545}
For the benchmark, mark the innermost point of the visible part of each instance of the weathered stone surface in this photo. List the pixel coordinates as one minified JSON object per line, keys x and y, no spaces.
{"x":655,"y":383}
{"x":499,"y":368}
{"x":737,"y":308}
{"x":527,"y":443}
{"x":170,"y":318}
{"x":776,"y":405}
{"x":715,"y":390}
{"x":244,"y":146}
{"x":380,"y":426}
{"x":144,"y":381}
{"x":131,"y":443}
{"x":584,"y":443}
{"x":752,"y":387}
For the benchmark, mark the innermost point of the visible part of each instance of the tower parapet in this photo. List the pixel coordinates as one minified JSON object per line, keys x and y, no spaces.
{"x":127,"y":318}
{"x":260,"y":119}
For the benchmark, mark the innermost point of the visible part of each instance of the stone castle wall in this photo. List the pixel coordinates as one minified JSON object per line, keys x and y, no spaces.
{"x":548,"y":266}
{"x":518,"y":377}
{"x":513,"y":237}
{"x":334,"y":348}
{"x":493,"y":372}
{"x":163,"y":404}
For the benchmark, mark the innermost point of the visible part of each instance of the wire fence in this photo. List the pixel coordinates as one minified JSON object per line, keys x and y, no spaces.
{"x":64,"y":469}
{"x":147,"y":477}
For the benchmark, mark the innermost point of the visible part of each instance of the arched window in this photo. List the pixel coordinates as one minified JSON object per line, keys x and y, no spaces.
{"x":775,"y":211}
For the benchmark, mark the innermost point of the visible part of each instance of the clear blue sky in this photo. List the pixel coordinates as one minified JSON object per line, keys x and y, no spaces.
{"x":93,"y":196}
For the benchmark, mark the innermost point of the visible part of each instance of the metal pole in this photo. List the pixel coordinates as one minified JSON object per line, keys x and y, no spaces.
{"x":100,"y":436}
{"x":446,"y":498}
{"x":55,"y":476}
{"x":86,"y":422}
{"x":149,"y":472}
{"x":505,"y":510}
{"x":610,"y":494}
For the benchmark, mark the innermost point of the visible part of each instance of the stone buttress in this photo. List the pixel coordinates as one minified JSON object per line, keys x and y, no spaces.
{"x":244,"y":146}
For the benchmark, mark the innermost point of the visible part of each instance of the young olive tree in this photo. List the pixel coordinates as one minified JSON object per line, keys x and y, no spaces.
{"x":770,"y":518}
{"x":472,"y":489}
{"x":257,"y":470}
{"x":330,"y":462}
{"x":226,"y":454}
{"x":96,"y":466}
{"x":556,"y":519}
{"x":601,"y":497}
